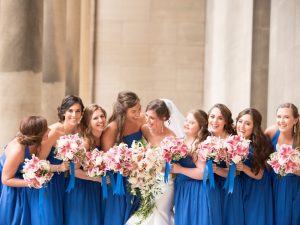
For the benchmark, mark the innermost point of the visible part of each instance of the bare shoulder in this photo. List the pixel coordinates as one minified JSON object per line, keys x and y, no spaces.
{"x":270,"y":131}
{"x":146,"y":131}
{"x":109,"y":136}
{"x":170,"y":133}
{"x":15,"y":150}
{"x":142,"y":119}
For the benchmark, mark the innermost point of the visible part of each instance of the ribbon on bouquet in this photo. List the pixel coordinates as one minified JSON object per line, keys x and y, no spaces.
{"x":71,"y":184}
{"x":112,"y":181}
{"x":167,"y":171}
{"x":120,"y":185}
{"x":229,"y":183}
{"x":104,"y":187}
{"x":209,"y":173}
{"x":41,"y":199}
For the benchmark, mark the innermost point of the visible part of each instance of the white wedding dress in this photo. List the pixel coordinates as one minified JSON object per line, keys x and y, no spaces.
{"x":162,"y":214}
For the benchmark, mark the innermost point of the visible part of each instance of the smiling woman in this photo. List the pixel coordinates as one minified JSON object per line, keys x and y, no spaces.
{"x":286,"y":189}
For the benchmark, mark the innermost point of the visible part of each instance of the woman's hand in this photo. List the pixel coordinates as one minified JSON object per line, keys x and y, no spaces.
{"x":175,"y":168}
{"x":64,"y":166}
{"x":240,"y":166}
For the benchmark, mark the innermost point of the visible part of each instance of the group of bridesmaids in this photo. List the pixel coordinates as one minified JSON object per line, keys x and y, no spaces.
{"x":260,"y":197}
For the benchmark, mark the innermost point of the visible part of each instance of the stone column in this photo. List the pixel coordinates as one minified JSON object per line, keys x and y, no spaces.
{"x":54,"y":57}
{"x":284,"y":65}
{"x":227,"y":76}
{"x":260,"y":57}
{"x":20,"y":63}
{"x":72,"y":46}
{"x":87,"y":48}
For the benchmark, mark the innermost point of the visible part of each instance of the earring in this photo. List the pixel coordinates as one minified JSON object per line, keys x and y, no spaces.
{"x":294,"y":128}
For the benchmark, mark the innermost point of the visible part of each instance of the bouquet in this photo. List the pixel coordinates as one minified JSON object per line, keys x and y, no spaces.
{"x":211,"y":150}
{"x":37,"y":172}
{"x":237,"y":151}
{"x":142,"y":179}
{"x":173,"y":149}
{"x":237,"y":148}
{"x":70,"y":148}
{"x":94,"y":164}
{"x":119,"y":161}
{"x":285,"y":160}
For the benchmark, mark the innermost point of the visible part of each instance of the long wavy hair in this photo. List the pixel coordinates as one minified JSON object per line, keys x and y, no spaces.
{"x":202,"y":120}
{"x":227,"y":115}
{"x":125,"y":100}
{"x":260,"y":143}
{"x":85,"y":126}
{"x":31,"y":130}
{"x":296,"y":128}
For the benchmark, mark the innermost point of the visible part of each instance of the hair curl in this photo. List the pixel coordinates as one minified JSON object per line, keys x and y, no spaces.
{"x":125,"y":100}
{"x":85,"y":127}
{"x":31,"y":130}
{"x":260,"y":143}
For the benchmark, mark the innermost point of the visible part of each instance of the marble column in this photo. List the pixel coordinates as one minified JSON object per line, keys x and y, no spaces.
{"x":21,"y":29}
{"x":260,"y":57}
{"x":228,"y":40}
{"x":54,"y":57}
{"x":284,"y":64}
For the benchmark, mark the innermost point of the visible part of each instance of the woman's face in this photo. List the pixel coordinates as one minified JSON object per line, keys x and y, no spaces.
{"x":73,"y":114}
{"x":244,"y":126}
{"x":98,"y":121}
{"x":216,"y":122}
{"x":153,"y":121}
{"x":191,"y":126}
{"x":285,"y":119}
{"x":134,"y":113}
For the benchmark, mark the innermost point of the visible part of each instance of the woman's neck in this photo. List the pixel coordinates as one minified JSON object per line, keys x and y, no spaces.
{"x":69,"y":129}
{"x":223,"y":134}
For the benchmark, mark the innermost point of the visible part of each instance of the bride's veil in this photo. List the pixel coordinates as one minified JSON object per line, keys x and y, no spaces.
{"x":176,"y":120}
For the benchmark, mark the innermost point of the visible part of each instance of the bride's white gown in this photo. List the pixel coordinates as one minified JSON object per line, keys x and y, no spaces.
{"x":162,"y":214}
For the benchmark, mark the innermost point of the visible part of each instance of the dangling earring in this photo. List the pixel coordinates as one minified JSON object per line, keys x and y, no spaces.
{"x":294,"y":128}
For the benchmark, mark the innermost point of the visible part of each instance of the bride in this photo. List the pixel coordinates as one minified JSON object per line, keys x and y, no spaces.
{"x":161,"y":123}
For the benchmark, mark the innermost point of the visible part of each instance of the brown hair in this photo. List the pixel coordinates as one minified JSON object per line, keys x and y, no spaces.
{"x":160,"y":108}
{"x":66,"y":103}
{"x":85,"y":129}
{"x":125,"y":100}
{"x":262,"y":147}
{"x":296,"y":129}
{"x":31,"y":130}
{"x":226,"y":113}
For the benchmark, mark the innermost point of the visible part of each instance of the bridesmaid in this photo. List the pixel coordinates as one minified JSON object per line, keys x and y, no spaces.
{"x":256,"y":181}
{"x":83,"y":205}
{"x":220,"y":124}
{"x":155,"y":131}
{"x":13,"y":201}
{"x":194,"y":203}
{"x":286,"y":190}
{"x":69,"y":113}
{"x":124,"y":126}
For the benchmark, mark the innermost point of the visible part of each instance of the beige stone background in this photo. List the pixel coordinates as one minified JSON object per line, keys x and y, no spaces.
{"x":195,"y":52}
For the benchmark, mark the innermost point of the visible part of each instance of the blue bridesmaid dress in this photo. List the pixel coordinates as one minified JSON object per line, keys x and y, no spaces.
{"x":13,"y":200}
{"x":257,"y":197}
{"x":194,"y":203}
{"x":231,"y":203}
{"x":83,"y":204}
{"x":50,"y":211}
{"x":2,"y":160}
{"x":118,"y":209}
{"x":286,"y":193}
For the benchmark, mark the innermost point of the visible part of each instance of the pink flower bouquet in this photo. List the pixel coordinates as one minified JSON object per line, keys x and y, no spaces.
{"x":36,"y":172}
{"x":173,"y":149}
{"x":285,"y":160}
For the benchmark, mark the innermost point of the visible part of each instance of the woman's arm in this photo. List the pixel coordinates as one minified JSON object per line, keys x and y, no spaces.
{"x":109,"y":136}
{"x":194,"y":173}
{"x":79,"y":173}
{"x":247,"y":170}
